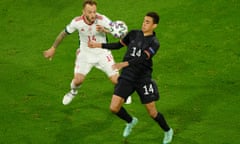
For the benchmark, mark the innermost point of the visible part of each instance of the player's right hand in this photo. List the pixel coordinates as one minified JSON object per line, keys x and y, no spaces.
{"x":48,"y":54}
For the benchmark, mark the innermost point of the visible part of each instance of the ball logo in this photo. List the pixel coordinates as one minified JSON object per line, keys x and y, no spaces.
{"x":118,"y":29}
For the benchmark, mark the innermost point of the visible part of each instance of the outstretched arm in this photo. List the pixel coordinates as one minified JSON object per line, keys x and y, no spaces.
{"x":112,"y":46}
{"x":51,"y":51}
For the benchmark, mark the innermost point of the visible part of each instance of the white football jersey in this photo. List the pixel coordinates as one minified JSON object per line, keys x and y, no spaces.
{"x":88,"y":32}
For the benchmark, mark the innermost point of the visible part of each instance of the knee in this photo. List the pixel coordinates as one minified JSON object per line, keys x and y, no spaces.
{"x":116,"y":104}
{"x":113,"y":109}
{"x":152,"y":114}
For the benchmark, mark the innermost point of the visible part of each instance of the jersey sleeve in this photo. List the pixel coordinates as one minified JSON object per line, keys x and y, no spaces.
{"x":153,"y":48}
{"x":103,"y":21}
{"x":71,"y":27}
{"x":126,"y":40}
{"x":112,"y":46}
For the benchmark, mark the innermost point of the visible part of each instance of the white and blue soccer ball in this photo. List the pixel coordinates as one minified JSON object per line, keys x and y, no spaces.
{"x":118,"y":29}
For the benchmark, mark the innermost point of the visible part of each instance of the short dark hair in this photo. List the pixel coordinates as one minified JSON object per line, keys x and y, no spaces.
{"x":155,"y":17}
{"x":90,"y":2}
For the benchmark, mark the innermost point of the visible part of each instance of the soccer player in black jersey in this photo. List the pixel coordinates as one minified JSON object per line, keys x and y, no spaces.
{"x":136,"y":74}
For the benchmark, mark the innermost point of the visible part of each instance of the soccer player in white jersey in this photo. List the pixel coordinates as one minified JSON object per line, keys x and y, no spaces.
{"x":91,"y":26}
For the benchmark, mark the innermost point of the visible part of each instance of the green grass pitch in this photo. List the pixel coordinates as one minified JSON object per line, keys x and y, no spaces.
{"x":197,"y":70}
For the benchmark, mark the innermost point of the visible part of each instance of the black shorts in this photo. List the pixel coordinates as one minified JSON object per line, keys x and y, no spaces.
{"x":146,"y":88}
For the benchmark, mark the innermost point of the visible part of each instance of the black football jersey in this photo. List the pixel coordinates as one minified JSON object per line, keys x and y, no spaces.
{"x":136,"y":44}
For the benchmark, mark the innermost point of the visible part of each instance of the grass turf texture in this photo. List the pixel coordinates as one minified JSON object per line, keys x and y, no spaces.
{"x":197,"y":69}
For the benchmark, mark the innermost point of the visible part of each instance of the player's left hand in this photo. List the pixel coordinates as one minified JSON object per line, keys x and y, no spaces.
{"x":93,"y":44}
{"x":100,"y":28}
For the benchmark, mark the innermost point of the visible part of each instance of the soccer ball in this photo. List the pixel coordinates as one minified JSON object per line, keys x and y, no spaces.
{"x":118,"y":29}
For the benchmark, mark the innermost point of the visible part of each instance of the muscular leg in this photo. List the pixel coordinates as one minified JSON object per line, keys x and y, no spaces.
{"x":75,"y":84}
{"x":157,"y":116}
{"x":77,"y":80}
{"x":116,"y":107}
{"x":116,"y":103}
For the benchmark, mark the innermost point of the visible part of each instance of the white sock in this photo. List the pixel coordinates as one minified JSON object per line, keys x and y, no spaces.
{"x":74,"y":88}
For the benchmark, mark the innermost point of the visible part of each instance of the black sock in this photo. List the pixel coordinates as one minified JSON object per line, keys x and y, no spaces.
{"x":162,"y":122}
{"x":123,"y":114}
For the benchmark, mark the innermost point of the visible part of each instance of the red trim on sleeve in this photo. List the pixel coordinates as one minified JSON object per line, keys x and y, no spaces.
{"x":99,"y":17}
{"x":78,"y":18}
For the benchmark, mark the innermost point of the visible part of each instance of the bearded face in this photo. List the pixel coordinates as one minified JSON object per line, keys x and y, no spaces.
{"x":90,"y":12}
